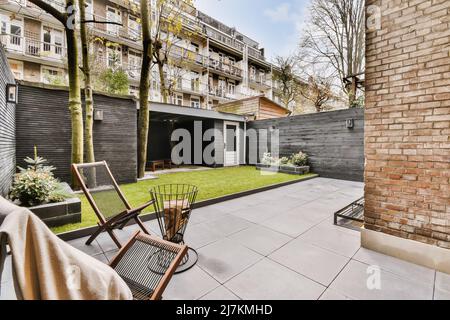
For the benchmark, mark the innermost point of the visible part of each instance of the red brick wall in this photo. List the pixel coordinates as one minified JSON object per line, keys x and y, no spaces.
{"x":408,"y":121}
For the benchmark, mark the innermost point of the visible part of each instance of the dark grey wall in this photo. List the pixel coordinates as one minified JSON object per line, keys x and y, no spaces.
{"x":7,"y":128}
{"x":43,"y":119}
{"x":334,"y":150}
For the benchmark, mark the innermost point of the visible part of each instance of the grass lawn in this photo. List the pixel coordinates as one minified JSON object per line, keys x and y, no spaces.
{"x":211,"y":183}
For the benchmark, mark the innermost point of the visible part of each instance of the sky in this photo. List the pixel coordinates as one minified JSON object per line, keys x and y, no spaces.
{"x":275,"y":24}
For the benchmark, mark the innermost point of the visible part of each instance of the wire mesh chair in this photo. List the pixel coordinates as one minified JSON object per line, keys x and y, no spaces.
{"x":106,"y":199}
{"x":173,"y":205}
{"x":147,"y":263}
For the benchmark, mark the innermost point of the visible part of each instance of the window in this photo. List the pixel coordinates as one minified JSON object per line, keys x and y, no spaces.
{"x":134,"y":91}
{"x":195,"y":47}
{"x":231,"y":88}
{"x":134,"y":27}
{"x":52,"y":75}
{"x":113,"y":15}
{"x":177,"y":99}
{"x":222,"y":87}
{"x":195,"y":102}
{"x":134,"y":63}
{"x":195,"y":81}
{"x":252,"y":73}
{"x":16,"y":68}
{"x":53,"y":41}
{"x":114,"y":56}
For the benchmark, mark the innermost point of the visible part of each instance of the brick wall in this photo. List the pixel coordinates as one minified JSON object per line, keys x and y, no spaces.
{"x":407,"y":123}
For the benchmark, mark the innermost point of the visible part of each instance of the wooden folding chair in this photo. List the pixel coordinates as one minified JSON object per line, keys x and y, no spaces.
{"x":147,"y":263}
{"x":107,"y":200}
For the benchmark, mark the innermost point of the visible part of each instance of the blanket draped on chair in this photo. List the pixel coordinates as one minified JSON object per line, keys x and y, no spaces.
{"x":47,"y":268}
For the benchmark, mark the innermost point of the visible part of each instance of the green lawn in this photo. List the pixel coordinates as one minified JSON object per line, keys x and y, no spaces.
{"x":211,"y":184}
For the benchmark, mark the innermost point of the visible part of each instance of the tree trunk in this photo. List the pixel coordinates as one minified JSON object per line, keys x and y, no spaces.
{"x":162,"y":80}
{"x":144,"y":87}
{"x":88,"y":95}
{"x":75,"y":97}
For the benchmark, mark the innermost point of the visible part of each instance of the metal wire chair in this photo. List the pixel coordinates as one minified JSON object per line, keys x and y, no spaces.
{"x":173,"y":205}
{"x":147,"y":263}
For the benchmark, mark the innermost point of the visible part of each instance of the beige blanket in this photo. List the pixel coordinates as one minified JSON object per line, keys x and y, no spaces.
{"x":47,"y":268}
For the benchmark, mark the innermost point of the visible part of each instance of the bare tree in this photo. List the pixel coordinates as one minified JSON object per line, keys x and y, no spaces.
{"x":288,"y":81}
{"x":67,"y":19}
{"x":335,"y":35}
{"x":144,"y":87}
{"x":168,"y":32}
{"x":318,"y":92}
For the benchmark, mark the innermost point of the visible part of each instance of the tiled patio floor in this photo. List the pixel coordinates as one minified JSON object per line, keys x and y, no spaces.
{"x":282,"y":244}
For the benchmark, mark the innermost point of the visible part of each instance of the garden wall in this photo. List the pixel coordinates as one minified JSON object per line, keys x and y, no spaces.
{"x":43,"y":120}
{"x":335,"y":151}
{"x":7,"y":128}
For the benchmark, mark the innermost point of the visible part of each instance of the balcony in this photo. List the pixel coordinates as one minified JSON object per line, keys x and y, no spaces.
{"x":226,"y":69}
{"x":255,"y":53}
{"x":220,"y":92}
{"x":33,"y":48}
{"x":224,"y":38}
{"x":260,"y":80}
{"x":186,"y":55}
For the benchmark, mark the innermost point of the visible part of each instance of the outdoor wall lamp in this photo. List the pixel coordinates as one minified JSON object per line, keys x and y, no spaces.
{"x":11,"y":93}
{"x":350,"y":123}
{"x":98,"y":115}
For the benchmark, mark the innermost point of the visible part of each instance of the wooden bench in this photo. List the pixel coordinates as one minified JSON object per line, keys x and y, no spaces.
{"x":163,"y":164}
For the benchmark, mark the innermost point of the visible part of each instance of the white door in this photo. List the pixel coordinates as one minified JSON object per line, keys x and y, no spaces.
{"x":231,"y":143}
{"x":52,"y":45}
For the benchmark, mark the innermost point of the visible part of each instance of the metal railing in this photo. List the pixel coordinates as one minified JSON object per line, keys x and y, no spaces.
{"x":224,"y":38}
{"x":255,"y":53}
{"x":33,"y":47}
{"x":224,"y":67}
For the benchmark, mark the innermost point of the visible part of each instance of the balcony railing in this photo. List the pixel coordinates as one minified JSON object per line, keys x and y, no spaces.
{"x":32,"y":47}
{"x":184,"y":54}
{"x":225,"y":67}
{"x":224,"y":38}
{"x":261,"y":80}
{"x":222,"y":93}
{"x":255,"y":53}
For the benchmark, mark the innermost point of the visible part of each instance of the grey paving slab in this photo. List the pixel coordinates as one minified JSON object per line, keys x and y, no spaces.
{"x":257,"y":214}
{"x":7,"y":271}
{"x":205,"y":214}
{"x":398,"y":267}
{"x":190,"y":285}
{"x":200,"y":235}
{"x":334,"y":240}
{"x":7,"y":291}
{"x":225,"y":259}
{"x":311,"y":261}
{"x":292,"y":225}
{"x":234,"y":205}
{"x":102,"y":258}
{"x":268,"y":280}
{"x":220,"y":293}
{"x":353,"y":280}
{"x":330,"y":294}
{"x":442,"y":281}
{"x":228,"y":225}
{"x":261,"y":239}
{"x":91,"y":250}
{"x":441,"y":294}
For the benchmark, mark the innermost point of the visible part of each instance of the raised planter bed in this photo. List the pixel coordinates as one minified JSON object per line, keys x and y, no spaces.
{"x":60,"y":213}
{"x":283,"y":169}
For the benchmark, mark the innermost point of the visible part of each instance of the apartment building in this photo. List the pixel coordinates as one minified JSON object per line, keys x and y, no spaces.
{"x":218,"y":64}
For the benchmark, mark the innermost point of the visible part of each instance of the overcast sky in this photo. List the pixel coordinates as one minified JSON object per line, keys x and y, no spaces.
{"x":275,"y":24}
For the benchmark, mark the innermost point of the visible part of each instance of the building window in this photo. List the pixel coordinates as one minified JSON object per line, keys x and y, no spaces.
{"x":52,"y":75}
{"x":134,"y":91}
{"x":177,"y":99}
{"x":134,"y":63}
{"x":113,"y":15}
{"x":231,"y":88}
{"x":16,"y":68}
{"x":195,"y":102}
{"x":114,"y":56}
{"x":134,"y":27}
{"x":53,"y":41}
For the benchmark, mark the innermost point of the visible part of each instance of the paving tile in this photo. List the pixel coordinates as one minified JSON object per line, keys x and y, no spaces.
{"x":7,"y":291}
{"x":205,"y":214}
{"x":330,"y":294}
{"x":261,"y":239}
{"x":441,"y":294}
{"x":257,"y":214}
{"x":110,"y":255}
{"x":221,"y":293}
{"x":80,"y":244}
{"x":334,"y":240}
{"x":268,"y":280}
{"x":228,"y":225}
{"x":311,"y":261}
{"x":292,"y":225}
{"x":225,"y":259}
{"x":396,"y":266}
{"x":234,"y":205}
{"x":190,"y":285}
{"x":7,"y":270}
{"x":102,"y":258}
{"x":106,"y":242}
{"x":200,"y":235}
{"x":443,"y":281}
{"x":353,"y":280}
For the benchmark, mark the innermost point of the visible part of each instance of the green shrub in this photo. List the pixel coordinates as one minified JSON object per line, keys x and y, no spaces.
{"x":36,"y":184}
{"x":299,"y":159}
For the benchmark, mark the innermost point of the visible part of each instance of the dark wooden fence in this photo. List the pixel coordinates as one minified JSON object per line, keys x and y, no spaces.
{"x":43,"y":120}
{"x":7,"y":128}
{"x":335,"y":151}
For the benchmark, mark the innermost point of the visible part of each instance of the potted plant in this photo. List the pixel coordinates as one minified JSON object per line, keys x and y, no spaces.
{"x":36,"y":188}
{"x":295,"y":164}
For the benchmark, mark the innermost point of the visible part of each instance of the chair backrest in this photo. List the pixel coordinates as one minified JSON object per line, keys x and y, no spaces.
{"x":101,"y":189}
